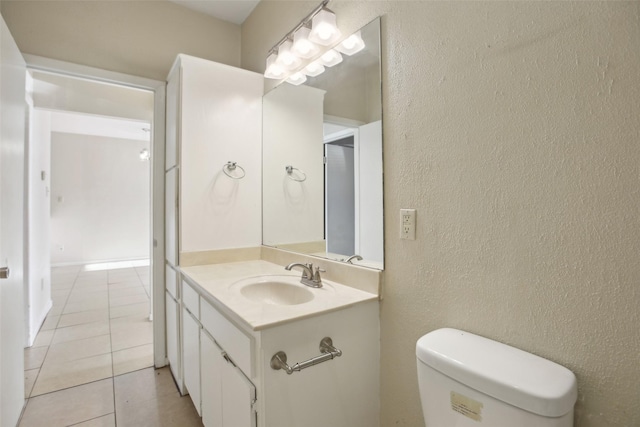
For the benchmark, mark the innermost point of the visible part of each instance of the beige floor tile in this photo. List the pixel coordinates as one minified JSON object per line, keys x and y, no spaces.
{"x":135,"y":335}
{"x":105,"y":421}
{"x":132,"y":359}
{"x":128,"y":300}
{"x":149,"y":398}
{"x":124,"y":324}
{"x":83,"y":317}
{"x":121,"y":273}
{"x":86,"y":305}
{"x":58,"y":376}
{"x":62,"y":279}
{"x":34,"y":357}
{"x":61,"y":299}
{"x":60,"y":293}
{"x":129,"y":291}
{"x":143,"y":272}
{"x":88,"y":293}
{"x":29,"y":380}
{"x":79,"y":293}
{"x":145,"y":384}
{"x":43,"y":338}
{"x":51,"y":322}
{"x":129,"y":310}
{"x":78,"y":349}
{"x":71,"y":406}
{"x":79,"y":332}
{"x":93,"y":274}
{"x":166,"y":411}
{"x":89,"y":282}
{"x":121,"y":285}
{"x":62,"y":284}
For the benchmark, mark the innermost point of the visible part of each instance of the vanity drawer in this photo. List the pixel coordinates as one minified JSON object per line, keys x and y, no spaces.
{"x":232,"y":340}
{"x":191,"y":299}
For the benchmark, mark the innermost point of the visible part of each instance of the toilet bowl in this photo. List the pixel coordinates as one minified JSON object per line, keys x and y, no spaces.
{"x":469,"y":381}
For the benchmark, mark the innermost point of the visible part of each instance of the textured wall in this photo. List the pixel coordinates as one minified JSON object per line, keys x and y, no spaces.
{"x":141,"y":38}
{"x":513,"y":128}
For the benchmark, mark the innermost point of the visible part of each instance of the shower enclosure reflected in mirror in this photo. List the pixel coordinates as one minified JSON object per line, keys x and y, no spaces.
{"x":322,"y":161}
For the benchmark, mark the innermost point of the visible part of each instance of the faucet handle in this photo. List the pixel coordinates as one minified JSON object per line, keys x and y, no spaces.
{"x":316,"y":274}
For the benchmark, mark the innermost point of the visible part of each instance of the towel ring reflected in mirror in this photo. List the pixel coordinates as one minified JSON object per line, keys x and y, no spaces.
{"x":301,"y":176}
{"x":230,"y":169}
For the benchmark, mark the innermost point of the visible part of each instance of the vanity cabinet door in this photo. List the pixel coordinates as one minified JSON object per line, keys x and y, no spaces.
{"x":237,"y":398}
{"x":191,"y":356}
{"x":173,"y":340}
{"x":227,"y":394}
{"x":211,"y":381}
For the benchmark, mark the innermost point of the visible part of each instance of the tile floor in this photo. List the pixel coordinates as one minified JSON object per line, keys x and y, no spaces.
{"x":91,"y":363}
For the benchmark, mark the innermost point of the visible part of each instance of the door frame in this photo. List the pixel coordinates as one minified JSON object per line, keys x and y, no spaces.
{"x":157,"y":269}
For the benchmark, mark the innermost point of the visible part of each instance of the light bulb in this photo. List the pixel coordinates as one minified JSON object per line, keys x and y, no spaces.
{"x":286,"y":57}
{"x":302,"y":46}
{"x":273,"y":70}
{"x":331,"y":58}
{"x":314,"y":69}
{"x":351,"y":44}
{"x":324,"y":30}
{"x":297,"y":78}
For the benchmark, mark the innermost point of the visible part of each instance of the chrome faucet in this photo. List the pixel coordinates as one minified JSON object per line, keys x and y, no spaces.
{"x":310,"y":277}
{"x":352,"y":257}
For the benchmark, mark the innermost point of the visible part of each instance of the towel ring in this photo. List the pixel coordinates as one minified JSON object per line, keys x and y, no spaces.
{"x":290,"y":175}
{"x":229,"y":167}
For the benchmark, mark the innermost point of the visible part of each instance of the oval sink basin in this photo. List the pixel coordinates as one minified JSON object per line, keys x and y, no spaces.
{"x":275,"y":292}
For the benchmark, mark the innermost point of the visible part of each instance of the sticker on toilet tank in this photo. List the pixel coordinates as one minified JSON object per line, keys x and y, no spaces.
{"x":466,"y":406}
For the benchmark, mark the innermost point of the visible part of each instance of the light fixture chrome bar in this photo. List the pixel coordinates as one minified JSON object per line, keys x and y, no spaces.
{"x":302,"y":23}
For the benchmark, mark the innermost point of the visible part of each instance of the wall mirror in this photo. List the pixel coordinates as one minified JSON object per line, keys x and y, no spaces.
{"x":322,"y":161}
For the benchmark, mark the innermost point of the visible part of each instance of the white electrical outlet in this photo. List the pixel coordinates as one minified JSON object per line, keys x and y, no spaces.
{"x":408,"y":224}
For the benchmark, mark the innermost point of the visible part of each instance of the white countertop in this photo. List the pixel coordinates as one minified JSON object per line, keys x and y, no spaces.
{"x":215,"y":282}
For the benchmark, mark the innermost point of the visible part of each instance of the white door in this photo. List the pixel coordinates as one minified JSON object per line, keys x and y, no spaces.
{"x":12,"y":122}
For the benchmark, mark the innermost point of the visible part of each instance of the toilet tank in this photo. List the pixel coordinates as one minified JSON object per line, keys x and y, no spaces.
{"x":469,"y":381}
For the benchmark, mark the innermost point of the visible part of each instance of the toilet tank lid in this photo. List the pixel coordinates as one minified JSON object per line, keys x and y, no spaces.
{"x":506,"y":373}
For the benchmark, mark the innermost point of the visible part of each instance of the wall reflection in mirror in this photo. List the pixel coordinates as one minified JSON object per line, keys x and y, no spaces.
{"x":322,"y":161}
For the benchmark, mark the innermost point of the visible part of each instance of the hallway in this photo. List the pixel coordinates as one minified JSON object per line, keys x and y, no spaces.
{"x":92,"y":362}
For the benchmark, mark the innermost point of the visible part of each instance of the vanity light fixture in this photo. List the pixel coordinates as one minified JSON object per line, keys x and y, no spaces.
{"x":307,"y":49}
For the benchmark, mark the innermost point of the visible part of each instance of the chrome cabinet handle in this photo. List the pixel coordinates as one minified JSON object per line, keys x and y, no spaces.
{"x":4,"y":272}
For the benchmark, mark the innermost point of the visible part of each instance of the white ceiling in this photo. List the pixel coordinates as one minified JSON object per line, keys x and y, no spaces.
{"x":235,"y":11}
{"x":111,"y":127}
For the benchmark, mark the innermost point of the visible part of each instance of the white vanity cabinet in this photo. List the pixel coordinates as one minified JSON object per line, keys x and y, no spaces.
{"x":238,"y":387}
{"x":219,"y":387}
{"x":213,"y":115}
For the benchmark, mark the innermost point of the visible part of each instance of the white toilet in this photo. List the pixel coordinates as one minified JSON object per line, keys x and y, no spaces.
{"x":469,"y":381}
